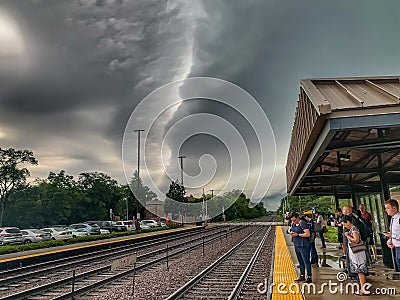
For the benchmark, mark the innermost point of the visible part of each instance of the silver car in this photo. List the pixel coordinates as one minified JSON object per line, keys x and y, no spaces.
{"x":35,"y":235}
{"x":10,"y":235}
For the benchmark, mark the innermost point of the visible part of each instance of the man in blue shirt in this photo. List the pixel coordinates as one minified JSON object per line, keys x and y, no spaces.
{"x":300,"y":236}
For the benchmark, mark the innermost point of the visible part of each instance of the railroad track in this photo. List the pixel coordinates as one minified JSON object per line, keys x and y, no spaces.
{"x":233,"y":274}
{"x":85,"y":280}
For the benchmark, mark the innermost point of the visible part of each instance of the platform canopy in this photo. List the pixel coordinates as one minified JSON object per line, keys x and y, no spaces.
{"x":345,"y":137}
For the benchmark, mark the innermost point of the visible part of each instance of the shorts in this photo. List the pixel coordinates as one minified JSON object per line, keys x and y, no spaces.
{"x":371,"y":240}
{"x":340,"y":237}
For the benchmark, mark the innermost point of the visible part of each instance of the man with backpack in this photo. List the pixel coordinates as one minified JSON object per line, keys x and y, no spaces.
{"x":369,"y":221}
{"x":313,"y":250}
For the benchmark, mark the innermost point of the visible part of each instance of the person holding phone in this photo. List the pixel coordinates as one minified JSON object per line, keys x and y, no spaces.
{"x":392,"y":209}
{"x":300,"y":233}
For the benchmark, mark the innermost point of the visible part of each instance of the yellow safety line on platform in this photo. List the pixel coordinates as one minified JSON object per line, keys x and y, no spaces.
{"x":284,"y":274}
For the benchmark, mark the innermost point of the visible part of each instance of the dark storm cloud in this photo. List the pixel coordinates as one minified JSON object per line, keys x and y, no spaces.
{"x":277,"y":43}
{"x":87,"y":63}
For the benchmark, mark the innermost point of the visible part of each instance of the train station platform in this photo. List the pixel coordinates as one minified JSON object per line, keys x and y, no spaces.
{"x":329,"y":280}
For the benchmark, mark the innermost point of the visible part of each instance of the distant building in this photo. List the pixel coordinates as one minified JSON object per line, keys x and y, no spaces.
{"x":154,"y":208}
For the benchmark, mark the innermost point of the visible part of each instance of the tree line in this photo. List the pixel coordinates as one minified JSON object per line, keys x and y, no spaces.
{"x":60,"y":199}
{"x":232,"y":205}
{"x":301,"y":204}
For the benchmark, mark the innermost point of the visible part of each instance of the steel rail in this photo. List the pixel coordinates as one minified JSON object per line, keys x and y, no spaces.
{"x":191,"y":283}
{"x":46,"y":287}
{"x":238,"y":287}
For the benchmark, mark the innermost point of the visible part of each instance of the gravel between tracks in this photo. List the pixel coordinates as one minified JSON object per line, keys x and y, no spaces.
{"x":159,"y":283}
{"x":57,"y":275}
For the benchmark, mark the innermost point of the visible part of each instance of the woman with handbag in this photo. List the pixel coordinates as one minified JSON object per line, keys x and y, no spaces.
{"x":319,"y":228}
{"x":356,"y":253}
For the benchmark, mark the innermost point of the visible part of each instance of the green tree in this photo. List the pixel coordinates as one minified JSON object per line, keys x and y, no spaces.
{"x":103,"y":193}
{"x":324,"y":204}
{"x":137,"y":194}
{"x":60,"y":198}
{"x":12,"y":175}
{"x":22,"y":209}
{"x":176,"y":193}
{"x":141,"y":192}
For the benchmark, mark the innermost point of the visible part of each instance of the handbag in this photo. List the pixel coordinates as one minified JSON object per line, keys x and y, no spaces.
{"x":324,"y":229}
{"x":355,"y":248}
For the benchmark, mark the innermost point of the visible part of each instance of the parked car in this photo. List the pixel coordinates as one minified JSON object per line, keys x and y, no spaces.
{"x":150,"y":223}
{"x":58,"y":233}
{"x":91,"y":229}
{"x":77,"y":232}
{"x":109,"y":225}
{"x":10,"y":235}
{"x":35,"y":235}
{"x":128,"y":225}
{"x":143,"y":225}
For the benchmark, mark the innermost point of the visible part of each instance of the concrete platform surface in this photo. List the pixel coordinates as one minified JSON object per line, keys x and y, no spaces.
{"x":330,"y":282}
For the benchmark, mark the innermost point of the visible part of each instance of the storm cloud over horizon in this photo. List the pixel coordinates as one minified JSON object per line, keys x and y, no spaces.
{"x":72,"y":72}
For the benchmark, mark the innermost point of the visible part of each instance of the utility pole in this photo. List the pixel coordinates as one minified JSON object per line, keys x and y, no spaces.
{"x":127,"y":215}
{"x":138,"y":169}
{"x":181,"y":159}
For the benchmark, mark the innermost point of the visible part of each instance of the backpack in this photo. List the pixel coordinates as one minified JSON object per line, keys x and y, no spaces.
{"x":362,"y":226}
{"x":311,"y":226}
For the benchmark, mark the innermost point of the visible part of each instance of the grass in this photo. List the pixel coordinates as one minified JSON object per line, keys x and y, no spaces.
{"x":331,"y":235}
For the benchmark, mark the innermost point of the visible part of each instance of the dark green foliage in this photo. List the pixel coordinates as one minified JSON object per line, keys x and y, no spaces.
{"x":324,"y":204}
{"x":176,"y":192}
{"x":12,"y":174}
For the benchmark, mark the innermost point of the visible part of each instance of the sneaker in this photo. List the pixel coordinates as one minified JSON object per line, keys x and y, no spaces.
{"x":308,"y":280}
{"x":301,"y":278}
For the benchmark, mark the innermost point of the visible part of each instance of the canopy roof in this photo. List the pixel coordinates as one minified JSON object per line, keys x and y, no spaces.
{"x":346,"y":136}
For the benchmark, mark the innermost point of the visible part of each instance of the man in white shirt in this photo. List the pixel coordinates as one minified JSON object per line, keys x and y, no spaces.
{"x":392,"y":209}
{"x":319,"y":227}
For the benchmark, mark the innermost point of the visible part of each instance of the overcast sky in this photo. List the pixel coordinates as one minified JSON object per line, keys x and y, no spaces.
{"x":73,"y":72}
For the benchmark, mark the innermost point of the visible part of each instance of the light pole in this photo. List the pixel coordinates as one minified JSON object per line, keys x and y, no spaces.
{"x":181,"y":159}
{"x":126,"y":201}
{"x":138,"y":168}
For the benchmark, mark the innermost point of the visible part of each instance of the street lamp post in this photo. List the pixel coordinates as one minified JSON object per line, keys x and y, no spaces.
{"x":127,"y":215}
{"x":138,"y":168}
{"x":181,"y":160}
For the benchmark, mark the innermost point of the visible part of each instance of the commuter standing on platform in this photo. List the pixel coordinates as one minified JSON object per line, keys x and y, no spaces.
{"x":367,"y":216}
{"x":313,"y":251}
{"x":338,"y":223}
{"x":358,"y":260}
{"x":392,"y":209}
{"x":300,"y":236}
{"x":318,"y":228}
